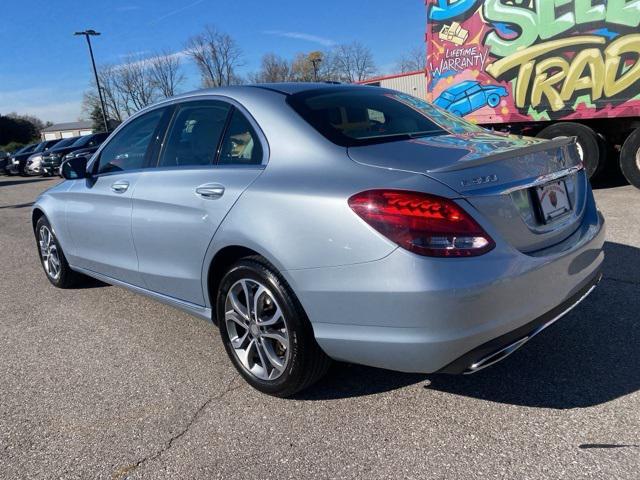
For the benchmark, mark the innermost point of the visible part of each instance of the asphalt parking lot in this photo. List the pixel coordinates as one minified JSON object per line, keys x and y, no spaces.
{"x":101,"y":383}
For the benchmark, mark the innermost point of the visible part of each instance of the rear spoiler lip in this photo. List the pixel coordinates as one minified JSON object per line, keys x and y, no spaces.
{"x":529,"y":149}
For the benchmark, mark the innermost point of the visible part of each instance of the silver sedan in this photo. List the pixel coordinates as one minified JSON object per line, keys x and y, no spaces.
{"x":313,"y":222}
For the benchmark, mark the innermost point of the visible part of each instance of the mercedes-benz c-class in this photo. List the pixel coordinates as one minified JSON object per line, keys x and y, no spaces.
{"x":312,"y":222}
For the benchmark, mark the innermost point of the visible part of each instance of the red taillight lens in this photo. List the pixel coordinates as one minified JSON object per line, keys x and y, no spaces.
{"x":422,"y":223}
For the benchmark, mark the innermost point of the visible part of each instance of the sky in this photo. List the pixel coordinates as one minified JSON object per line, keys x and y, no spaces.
{"x":44,"y":68}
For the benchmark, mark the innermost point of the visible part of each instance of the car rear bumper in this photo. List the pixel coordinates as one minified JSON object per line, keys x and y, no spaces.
{"x":418,"y":314}
{"x":500,"y":348}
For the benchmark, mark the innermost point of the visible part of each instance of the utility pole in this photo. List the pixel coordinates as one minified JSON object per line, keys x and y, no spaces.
{"x":88,"y":34}
{"x":315,"y":62}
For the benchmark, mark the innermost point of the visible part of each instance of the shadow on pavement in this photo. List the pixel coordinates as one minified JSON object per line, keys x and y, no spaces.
{"x":589,"y":357}
{"x":10,"y":183}
{"x":19,"y":205}
{"x":612,"y":177}
{"x":90,"y":282}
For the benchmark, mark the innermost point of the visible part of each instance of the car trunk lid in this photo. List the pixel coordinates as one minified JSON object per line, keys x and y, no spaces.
{"x":500,"y":175}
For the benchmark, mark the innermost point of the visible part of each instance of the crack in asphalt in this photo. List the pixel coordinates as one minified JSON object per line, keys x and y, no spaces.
{"x":125,"y":472}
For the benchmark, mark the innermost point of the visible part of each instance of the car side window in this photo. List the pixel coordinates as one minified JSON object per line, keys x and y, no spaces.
{"x":241,"y":145}
{"x":195,"y":134}
{"x":127,"y":150}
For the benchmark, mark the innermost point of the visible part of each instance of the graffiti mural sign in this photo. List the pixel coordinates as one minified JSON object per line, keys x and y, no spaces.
{"x":499,"y":61}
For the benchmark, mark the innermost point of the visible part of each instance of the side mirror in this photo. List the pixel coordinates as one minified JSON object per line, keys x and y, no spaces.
{"x":74,"y":168}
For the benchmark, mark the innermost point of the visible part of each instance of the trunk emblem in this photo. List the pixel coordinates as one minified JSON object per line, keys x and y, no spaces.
{"x":470,"y":182}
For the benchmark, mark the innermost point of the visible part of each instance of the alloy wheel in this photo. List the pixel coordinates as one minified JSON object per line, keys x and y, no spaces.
{"x":49,"y":253}
{"x":257,"y":329}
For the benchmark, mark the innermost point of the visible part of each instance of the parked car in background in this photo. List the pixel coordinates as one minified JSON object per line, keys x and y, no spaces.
{"x":313,"y":222}
{"x":34,"y":164}
{"x":19,"y":160}
{"x":10,"y":168}
{"x":4,"y":160}
{"x":52,"y":161}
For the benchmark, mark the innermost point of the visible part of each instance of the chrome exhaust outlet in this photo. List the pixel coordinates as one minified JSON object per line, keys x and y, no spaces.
{"x":504,"y":352}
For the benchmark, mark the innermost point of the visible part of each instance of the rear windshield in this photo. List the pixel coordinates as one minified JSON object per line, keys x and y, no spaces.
{"x":354,"y":117}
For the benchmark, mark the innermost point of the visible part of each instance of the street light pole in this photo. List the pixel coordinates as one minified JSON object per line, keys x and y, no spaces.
{"x":87,"y":34}
{"x":315,"y":62}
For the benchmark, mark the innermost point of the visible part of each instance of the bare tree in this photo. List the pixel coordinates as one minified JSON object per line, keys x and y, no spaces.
{"x":165,"y":73}
{"x":113,"y":99}
{"x":302,"y":66}
{"x":134,"y":81}
{"x":414,"y":60}
{"x":273,"y":69}
{"x":217,"y":56}
{"x":353,"y":62}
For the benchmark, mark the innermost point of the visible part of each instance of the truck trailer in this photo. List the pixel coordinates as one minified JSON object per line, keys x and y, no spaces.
{"x":545,"y":68}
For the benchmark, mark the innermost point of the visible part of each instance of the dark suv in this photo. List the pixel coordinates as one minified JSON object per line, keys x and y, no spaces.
{"x":53,"y":159}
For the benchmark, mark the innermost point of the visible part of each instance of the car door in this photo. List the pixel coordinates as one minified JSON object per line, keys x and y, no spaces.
{"x":477,"y":97}
{"x":212,"y":152}
{"x":98,"y":209}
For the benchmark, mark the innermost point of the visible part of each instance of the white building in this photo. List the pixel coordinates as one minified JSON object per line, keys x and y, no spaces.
{"x":66,"y":130}
{"x":413,"y":83}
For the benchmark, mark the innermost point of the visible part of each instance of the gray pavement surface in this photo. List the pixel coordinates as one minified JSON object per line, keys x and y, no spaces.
{"x":101,"y":383}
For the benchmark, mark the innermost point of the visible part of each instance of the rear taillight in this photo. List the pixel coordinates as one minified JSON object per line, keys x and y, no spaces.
{"x":422,"y":223}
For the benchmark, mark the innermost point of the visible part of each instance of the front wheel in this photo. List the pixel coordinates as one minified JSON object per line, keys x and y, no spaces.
{"x":52,"y":257}
{"x":493,"y":100}
{"x":265,"y":330}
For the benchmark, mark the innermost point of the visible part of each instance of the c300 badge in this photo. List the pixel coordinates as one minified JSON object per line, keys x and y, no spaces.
{"x":471,"y":182}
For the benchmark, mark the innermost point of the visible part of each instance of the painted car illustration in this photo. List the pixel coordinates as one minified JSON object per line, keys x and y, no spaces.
{"x":469,"y":96}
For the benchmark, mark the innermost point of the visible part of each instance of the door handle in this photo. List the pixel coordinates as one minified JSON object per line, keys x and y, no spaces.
{"x":210,"y":191}
{"x":120,"y":186}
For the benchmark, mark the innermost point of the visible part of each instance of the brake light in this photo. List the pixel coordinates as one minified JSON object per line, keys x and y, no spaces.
{"x":421,"y":223}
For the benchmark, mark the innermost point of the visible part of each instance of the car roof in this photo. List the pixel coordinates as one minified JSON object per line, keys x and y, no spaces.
{"x":462,"y":86}
{"x":285,"y":88}
{"x":239,"y":92}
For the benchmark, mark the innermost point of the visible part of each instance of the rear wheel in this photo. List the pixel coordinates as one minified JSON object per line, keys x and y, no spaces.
{"x":493,"y":100}
{"x":265,"y":331}
{"x":630,"y":158}
{"x":52,"y":257}
{"x":592,"y":150}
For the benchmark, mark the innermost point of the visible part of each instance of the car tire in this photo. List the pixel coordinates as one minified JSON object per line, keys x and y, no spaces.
{"x":593,"y":151}
{"x":493,"y":100}
{"x":630,"y":158}
{"x":52,"y":258}
{"x":272,"y":346}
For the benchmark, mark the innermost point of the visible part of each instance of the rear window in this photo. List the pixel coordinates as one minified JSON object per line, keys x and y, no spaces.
{"x":354,"y":117}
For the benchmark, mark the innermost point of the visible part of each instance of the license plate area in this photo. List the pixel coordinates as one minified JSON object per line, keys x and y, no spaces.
{"x":553,"y":201}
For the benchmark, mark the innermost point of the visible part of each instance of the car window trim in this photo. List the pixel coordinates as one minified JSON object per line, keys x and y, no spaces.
{"x":177,"y":107}
{"x":216,"y":161}
{"x":264,"y":142}
{"x":158,"y":144}
{"x":95,"y":164}
{"x":255,"y":130}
